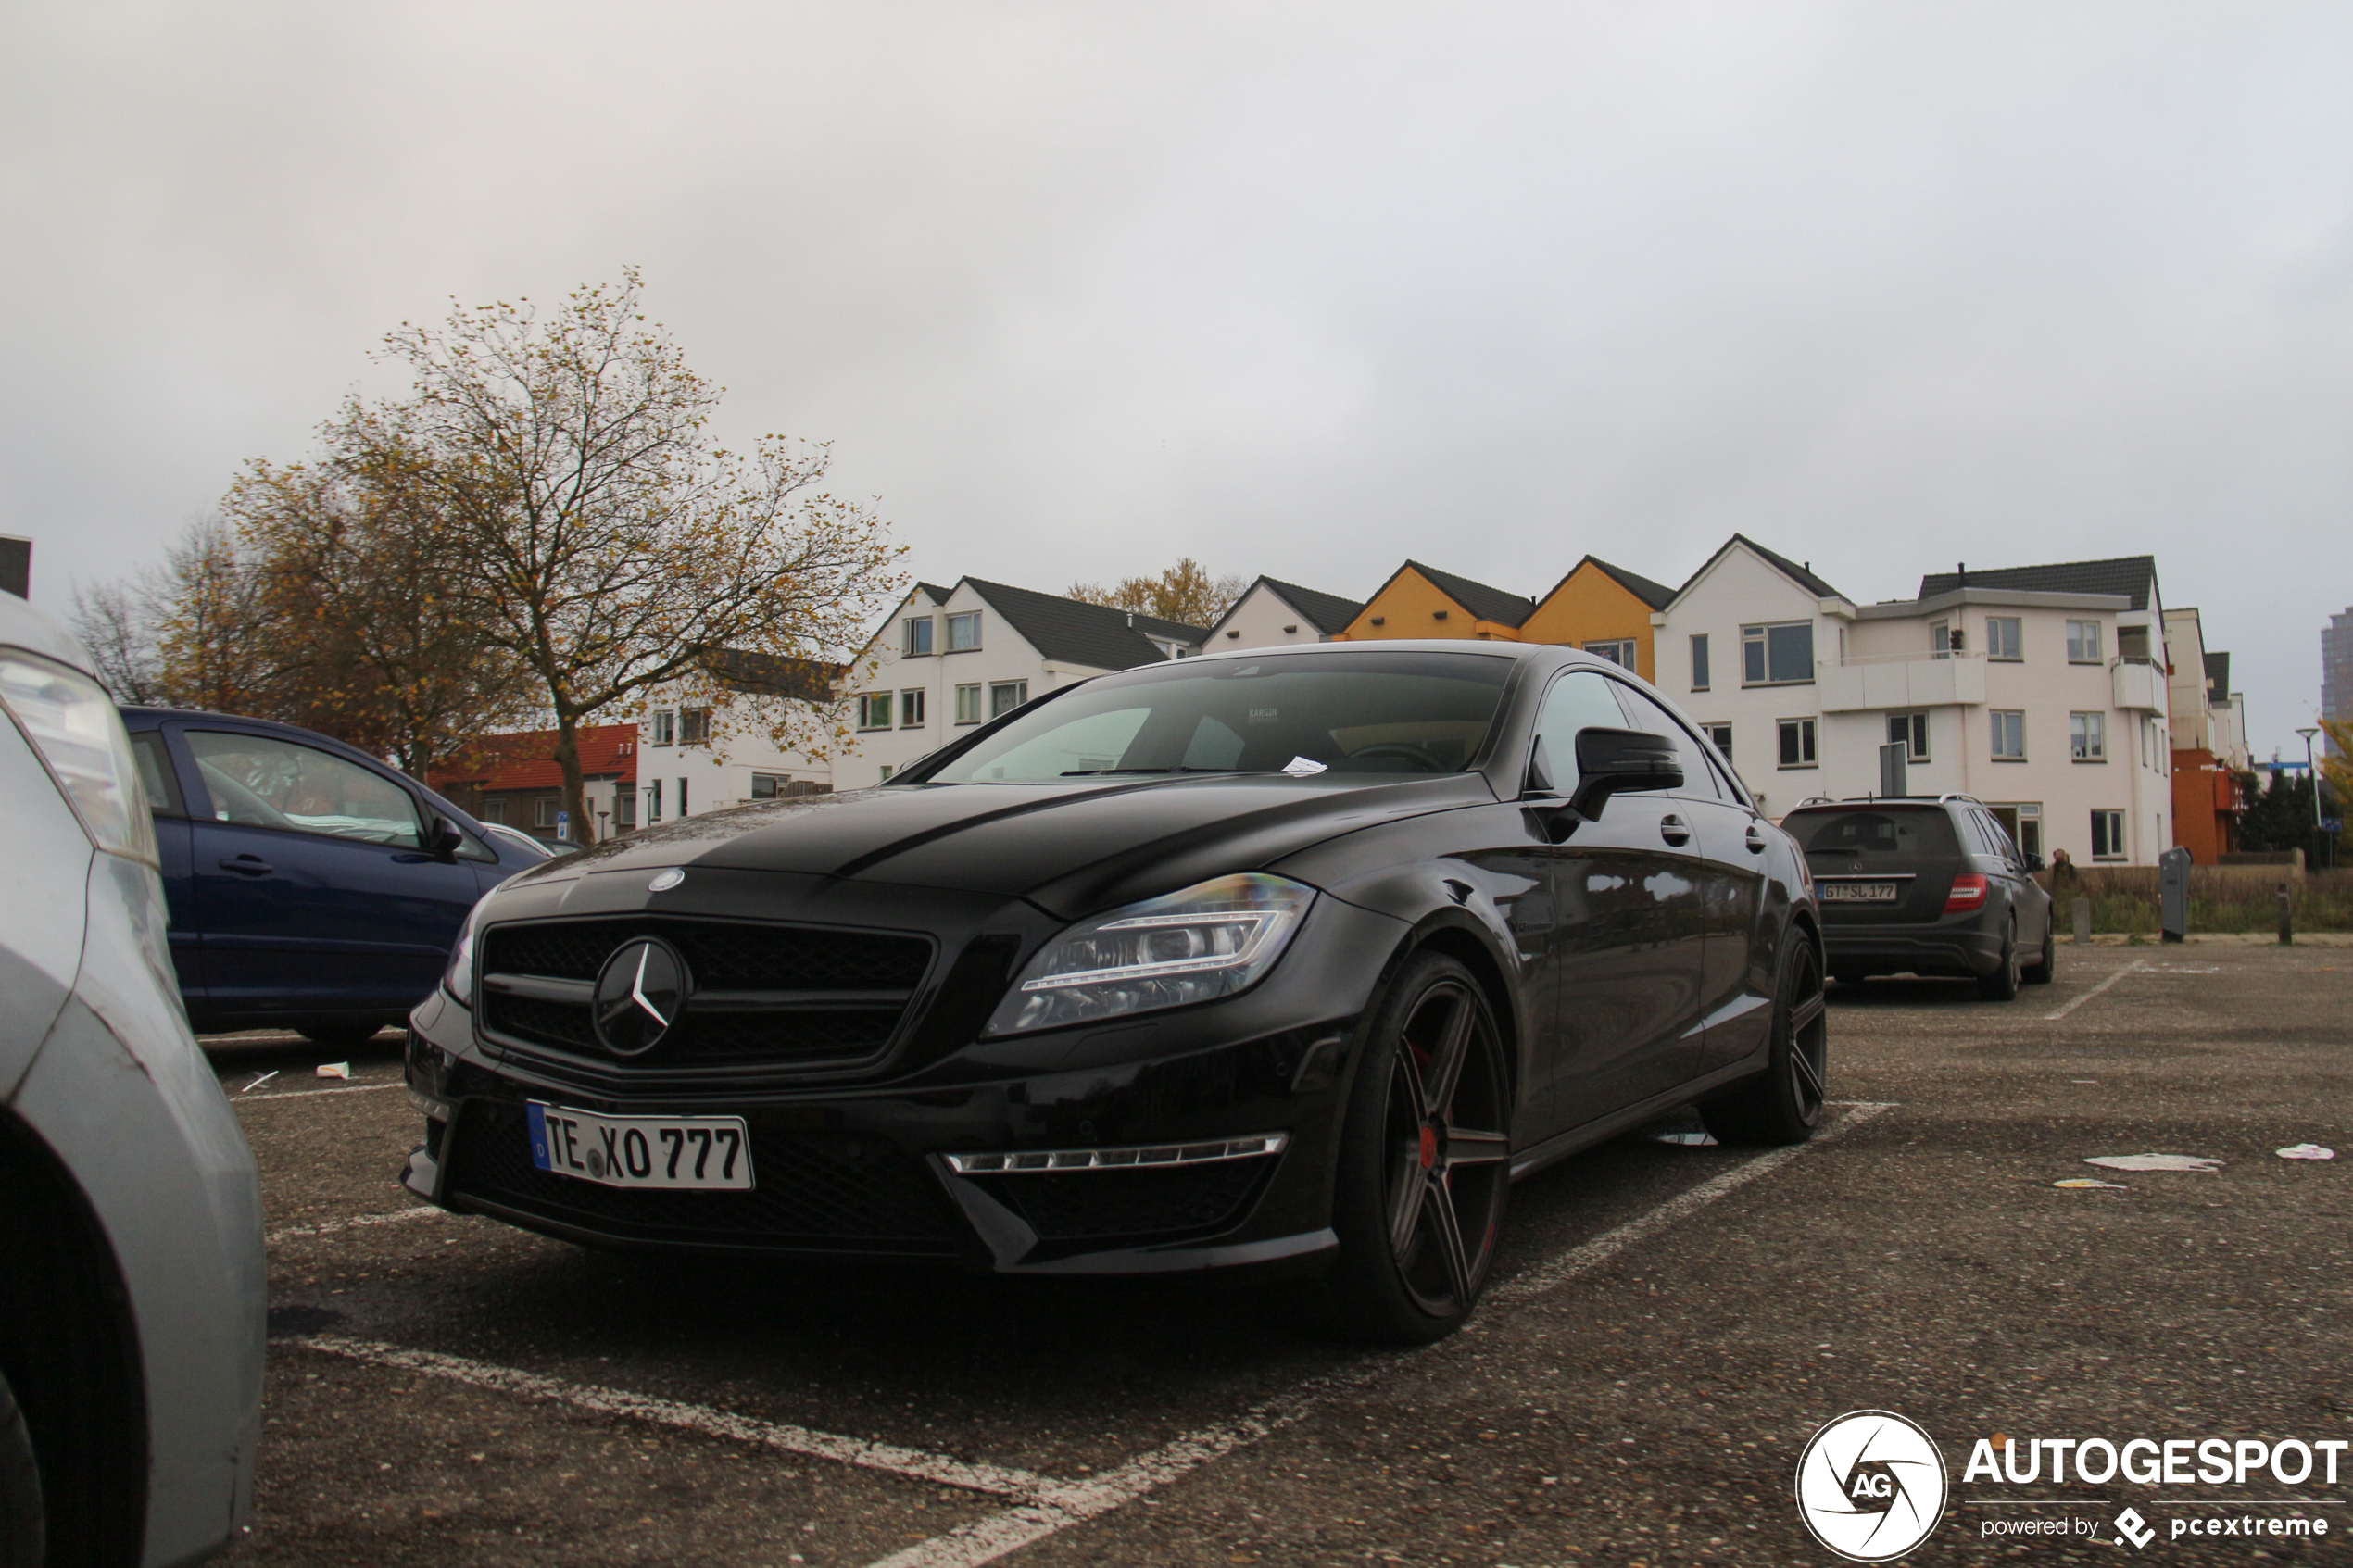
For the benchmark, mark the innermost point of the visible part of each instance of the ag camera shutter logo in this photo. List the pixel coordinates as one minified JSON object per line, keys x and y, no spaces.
{"x":1871,"y":1486}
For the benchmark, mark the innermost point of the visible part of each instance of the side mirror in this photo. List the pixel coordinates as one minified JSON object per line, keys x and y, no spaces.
{"x":444,"y":842}
{"x":1612,"y":760}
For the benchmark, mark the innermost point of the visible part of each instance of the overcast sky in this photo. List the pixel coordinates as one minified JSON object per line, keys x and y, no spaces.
{"x":1297,"y":289}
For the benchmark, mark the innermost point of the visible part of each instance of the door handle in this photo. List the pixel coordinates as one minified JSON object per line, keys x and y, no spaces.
{"x":1671,"y":829}
{"x":248,"y":865}
{"x":1756,"y":839}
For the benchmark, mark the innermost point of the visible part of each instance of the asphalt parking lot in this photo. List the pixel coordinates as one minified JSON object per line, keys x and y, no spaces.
{"x":1669,"y":1324}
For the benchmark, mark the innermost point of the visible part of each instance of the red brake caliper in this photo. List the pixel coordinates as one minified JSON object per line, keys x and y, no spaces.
{"x":1429,"y":1147}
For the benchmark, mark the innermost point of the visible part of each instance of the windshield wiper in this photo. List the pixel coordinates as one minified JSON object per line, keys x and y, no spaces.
{"x":1098,"y":773}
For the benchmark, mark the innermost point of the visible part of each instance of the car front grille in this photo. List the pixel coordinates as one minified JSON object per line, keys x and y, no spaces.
{"x":762,"y":995}
{"x":841,"y":1192}
{"x":1132,"y":1203}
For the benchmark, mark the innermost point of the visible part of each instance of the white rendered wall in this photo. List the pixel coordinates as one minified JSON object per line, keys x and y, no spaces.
{"x":1262,"y":619}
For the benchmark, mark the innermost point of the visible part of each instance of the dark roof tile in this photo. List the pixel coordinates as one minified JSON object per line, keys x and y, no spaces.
{"x":2133,"y":576}
{"x":1488,"y":604}
{"x":1327,"y":612}
{"x":1095,"y":635}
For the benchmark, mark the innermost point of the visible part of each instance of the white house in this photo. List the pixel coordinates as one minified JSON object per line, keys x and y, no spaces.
{"x":1273,"y":613}
{"x":948,"y":658}
{"x":687,"y":764}
{"x":2039,"y":690}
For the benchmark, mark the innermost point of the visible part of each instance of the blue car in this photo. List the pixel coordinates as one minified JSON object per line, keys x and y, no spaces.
{"x":311,"y":887}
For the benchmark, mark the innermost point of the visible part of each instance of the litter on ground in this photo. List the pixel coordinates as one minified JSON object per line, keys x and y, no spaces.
{"x":2088,"y":1182}
{"x":1689,"y":1140}
{"x":2197,"y":1162}
{"x":334,"y":1069}
{"x":259,"y":1082}
{"x":2305,"y":1151}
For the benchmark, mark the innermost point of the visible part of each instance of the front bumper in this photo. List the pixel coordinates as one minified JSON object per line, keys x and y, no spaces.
{"x":862,"y":1170}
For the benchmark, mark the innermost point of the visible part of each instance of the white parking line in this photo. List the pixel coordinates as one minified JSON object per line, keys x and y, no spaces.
{"x":299,"y":1094}
{"x":360,"y":1222}
{"x":2070,"y":1007}
{"x":913,"y":1463}
{"x":984,"y":1540}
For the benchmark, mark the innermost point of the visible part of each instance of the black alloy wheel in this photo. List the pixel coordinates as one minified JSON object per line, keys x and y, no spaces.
{"x":2002,"y":985}
{"x":1425,"y":1163}
{"x":2045,"y":967}
{"x":1783,"y":1104}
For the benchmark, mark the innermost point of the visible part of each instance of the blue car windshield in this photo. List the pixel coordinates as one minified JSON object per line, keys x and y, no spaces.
{"x":1352,"y":712}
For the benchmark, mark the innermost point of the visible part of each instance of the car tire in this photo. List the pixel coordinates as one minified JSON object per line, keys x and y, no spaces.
{"x":2046,"y":968}
{"x":22,"y":1519}
{"x":1783,"y":1105}
{"x":339,"y":1035}
{"x":1425,"y":1161}
{"x":2002,"y":985}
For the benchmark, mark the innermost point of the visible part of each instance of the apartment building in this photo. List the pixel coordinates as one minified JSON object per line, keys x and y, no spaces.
{"x":2040,"y":690}
{"x":2207,"y":737}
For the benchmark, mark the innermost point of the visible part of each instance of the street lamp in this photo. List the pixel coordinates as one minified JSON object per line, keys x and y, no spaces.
{"x":2312,"y":776}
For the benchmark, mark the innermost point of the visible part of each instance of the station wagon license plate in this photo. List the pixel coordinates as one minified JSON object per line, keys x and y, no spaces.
{"x":1858,"y":892}
{"x":709,"y":1153}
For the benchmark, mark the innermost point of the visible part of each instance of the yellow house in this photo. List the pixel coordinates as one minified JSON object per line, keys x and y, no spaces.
{"x":1604,"y":610}
{"x":1420,"y":601}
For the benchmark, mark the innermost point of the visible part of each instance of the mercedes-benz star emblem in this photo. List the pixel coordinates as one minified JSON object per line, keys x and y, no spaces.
{"x":640,"y":996}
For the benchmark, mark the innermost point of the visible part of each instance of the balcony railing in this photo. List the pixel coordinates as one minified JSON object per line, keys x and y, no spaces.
{"x":1902,"y":680}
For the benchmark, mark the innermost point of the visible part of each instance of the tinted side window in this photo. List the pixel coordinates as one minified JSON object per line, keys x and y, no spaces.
{"x":1578,"y":700}
{"x":257,"y":781}
{"x":1643,"y":712}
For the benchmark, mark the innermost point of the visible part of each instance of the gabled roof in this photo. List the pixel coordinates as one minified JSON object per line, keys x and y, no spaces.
{"x":1656,"y":595}
{"x":1095,"y":635}
{"x":2218,"y":676}
{"x":2133,"y":576}
{"x":1326,"y":612}
{"x":527,"y":761}
{"x":1485,"y":603}
{"x":1802,"y":575}
{"x":938,"y":595}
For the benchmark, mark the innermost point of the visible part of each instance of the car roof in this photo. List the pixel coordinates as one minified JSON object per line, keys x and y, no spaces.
{"x":38,"y":631}
{"x":1408,"y":645}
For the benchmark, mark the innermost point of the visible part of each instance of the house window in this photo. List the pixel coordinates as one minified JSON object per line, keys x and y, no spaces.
{"x":664,"y":727}
{"x":624,"y":806}
{"x":682,"y":797}
{"x":2150,"y":749}
{"x":693,"y":726}
{"x":1619,"y":652}
{"x":964,"y":631}
{"x":2082,"y":642}
{"x":1699,"y":662}
{"x":543,"y":813}
{"x":2002,"y":638}
{"x":652,"y":793}
{"x":918,"y":638}
{"x":1940,"y":639}
{"x":887,"y":770}
{"x":2108,"y":836}
{"x":2023,"y":823}
{"x":1911,"y":731}
{"x":2087,"y":737}
{"x":1721,"y":738}
{"x":1797,"y":743}
{"x":968,"y":705}
{"x":1006,"y":695}
{"x":874,"y":710}
{"x":492,"y":812}
{"x":911,"y":710}
{"x":769,"y":786}
{"x":1776,"y":656}
{"x":2009,"y":735}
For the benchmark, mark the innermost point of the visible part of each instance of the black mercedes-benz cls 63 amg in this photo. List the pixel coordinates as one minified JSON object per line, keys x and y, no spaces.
{"x":1283,"y":961}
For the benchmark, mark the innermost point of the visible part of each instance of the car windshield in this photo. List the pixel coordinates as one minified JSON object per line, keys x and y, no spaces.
{"x":1351,"y":712}
{"x":1882,"y":835}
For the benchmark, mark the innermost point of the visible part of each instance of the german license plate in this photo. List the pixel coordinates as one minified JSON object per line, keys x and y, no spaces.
{"x":710,"y":1153}
{"x":1858,"y":892}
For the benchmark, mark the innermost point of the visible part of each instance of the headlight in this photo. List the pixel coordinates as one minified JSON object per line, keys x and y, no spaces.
{"x":1209,"y":941}
{"x":458,"y":978}
{"x":72,"y":723}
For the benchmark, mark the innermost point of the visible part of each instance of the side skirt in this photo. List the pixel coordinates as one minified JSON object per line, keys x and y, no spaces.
{"x":1560,"y":1146}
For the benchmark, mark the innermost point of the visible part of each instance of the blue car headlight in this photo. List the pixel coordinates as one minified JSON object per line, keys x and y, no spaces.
{"x":1211,"y":940}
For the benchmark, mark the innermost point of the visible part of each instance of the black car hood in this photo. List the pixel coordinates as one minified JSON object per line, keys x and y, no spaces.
{"x":1070,"y":848}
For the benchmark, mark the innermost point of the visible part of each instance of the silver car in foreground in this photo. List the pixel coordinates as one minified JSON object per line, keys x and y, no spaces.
{"x":131,"y":1256}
